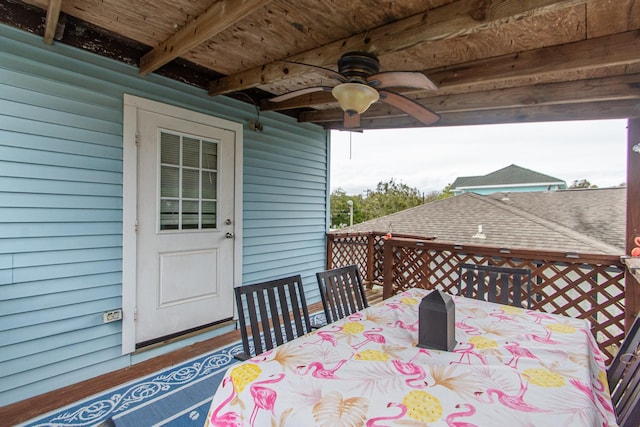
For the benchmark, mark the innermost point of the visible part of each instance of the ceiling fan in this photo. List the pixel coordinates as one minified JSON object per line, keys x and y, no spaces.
{"x":361,"y":84}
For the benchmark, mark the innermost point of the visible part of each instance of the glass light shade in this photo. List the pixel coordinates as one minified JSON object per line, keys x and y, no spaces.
{"x":355,"y":98}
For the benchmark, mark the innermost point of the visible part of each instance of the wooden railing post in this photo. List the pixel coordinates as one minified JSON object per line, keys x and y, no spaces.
{"x":387,"y":268}
{"x":330,"y":238}
{"x":370,"y":256}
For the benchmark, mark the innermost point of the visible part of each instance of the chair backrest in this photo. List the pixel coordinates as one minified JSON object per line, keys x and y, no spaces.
{"x":275,"y":311}
{"x":342,"y":292}
{"x":503,"y":285}
{"x":623,"y":376}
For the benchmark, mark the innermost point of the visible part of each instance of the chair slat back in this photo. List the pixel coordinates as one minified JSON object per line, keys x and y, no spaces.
{"x":503,"y":285}
{"x":630,"y":344}
{"x":276,"y":312}
{"x":342,"y":292}
{"x":623,"y":376}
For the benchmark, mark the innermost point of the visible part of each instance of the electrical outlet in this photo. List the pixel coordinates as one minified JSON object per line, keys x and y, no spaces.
{"x":111,"y":316}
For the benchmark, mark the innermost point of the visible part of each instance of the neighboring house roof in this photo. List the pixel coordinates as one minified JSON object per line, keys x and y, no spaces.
{"x":509,"y":176}
{"x":584,"y":221}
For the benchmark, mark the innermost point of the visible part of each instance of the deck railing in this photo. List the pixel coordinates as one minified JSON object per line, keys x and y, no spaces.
{"x":576,"y":285}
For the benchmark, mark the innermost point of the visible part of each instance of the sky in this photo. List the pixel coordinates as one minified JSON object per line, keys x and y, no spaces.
{"x":430,"y":158}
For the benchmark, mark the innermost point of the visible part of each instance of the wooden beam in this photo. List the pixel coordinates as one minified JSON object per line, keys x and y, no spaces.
{"x":460,"y":18}
{"x":632,"y":288}
{"x":545,"y":64}
{"x":633,"y":184}
{"x":51,"y":24}
{"x":581,"y":91}
{"x":221,"y":15}
{"x":547,"y":113}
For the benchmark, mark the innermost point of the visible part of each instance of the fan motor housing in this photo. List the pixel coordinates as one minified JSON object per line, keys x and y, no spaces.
{"x":357,"y":66}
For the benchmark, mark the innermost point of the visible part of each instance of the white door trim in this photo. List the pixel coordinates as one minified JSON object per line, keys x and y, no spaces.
{"x":132,"y":104}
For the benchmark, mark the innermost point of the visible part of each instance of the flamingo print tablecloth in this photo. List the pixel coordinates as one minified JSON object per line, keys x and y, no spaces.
{"x":511,"y":366}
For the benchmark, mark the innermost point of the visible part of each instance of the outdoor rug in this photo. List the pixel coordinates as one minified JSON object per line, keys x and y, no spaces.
{"x":178,"y":396}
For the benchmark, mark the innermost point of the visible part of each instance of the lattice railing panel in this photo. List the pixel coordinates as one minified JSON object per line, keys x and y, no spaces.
{"x":591,"y":287}
{"x":348,"y":249}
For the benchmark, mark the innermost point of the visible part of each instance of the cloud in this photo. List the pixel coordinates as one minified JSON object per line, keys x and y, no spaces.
{"x":431,"y":158}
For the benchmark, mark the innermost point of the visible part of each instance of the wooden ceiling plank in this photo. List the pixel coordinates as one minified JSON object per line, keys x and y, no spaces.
{"x":51,"y":23}
{"x":456,"y":19}
{"x":221,"y":15}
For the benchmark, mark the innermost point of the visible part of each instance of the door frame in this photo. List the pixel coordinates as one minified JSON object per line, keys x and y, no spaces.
{"x":132,"y":104}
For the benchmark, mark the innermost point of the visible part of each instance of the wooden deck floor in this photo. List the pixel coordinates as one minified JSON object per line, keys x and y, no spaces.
{"x":38,"y":405}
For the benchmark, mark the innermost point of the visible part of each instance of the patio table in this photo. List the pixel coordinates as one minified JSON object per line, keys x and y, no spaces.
{"x":511,"y":366}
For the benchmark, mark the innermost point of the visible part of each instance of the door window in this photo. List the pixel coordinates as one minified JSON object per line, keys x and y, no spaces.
{"x":188,"y":182}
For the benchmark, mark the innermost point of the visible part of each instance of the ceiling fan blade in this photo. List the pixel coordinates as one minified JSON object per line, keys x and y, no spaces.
{"x":351,"y":120}
{"x":411,"y":79}
{"x":299,"y":92}
{"x":409,"y":106}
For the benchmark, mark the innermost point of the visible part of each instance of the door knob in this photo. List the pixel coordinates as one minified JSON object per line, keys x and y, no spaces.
{"x":229,"y":235}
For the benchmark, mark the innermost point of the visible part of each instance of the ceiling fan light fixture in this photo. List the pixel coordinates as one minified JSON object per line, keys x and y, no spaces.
{"x":355,"y":98}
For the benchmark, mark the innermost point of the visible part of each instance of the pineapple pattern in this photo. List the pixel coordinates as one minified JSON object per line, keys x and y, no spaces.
{"x":423,"y":407}
{"x":373,"y":355}
{"x":534,"y":373}
{"x":544,"y":378}
{"x":243,"y":375}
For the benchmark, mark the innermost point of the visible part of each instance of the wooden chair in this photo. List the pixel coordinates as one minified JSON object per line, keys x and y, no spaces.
{"x":342,"y":292}
{"x":275,"y":311}
{"x":623,"y":376}
{"x":500,"y":284}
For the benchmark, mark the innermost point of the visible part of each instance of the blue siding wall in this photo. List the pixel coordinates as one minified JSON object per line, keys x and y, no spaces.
{"x":61,"y":206}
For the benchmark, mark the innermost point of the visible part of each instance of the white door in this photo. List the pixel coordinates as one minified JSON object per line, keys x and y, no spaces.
{"x":185,"y":225}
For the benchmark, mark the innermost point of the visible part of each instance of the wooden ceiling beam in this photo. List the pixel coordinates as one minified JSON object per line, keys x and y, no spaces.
{"x":460,"y":18}
{"x":539,"y":65}
{"x":51,"y":22}
{"x":220,"y":16}
{"x":582,"y":91}
{"x":548,"y":113}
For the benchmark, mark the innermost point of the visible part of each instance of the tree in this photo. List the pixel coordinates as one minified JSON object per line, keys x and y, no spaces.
{"x":390,"y":197}
{"x":340,"y":209}
{"x":582,"y":183}
{"x":387,"y":198}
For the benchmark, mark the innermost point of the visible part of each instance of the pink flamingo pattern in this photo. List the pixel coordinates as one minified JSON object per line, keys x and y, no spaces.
{"x":371,"y":336}
{"x":539,"y":315}
{"x":510,"y":401}
{"x":328,"y":336}
{"x":502,"y":315}
{"x":517,"y":352}
{"x":410,"y":369}
{"x":413,"y":327}
{"x":373,"y":422}
{"x":466,"y":354}
{"x":263,"y":397}
{"x":228,"y":419}
{"x":318,"y":370}
{"x":540,"y":339}
{"x":588,"y":391}
{"x":451,"y":418}
{"x":468,"y":329}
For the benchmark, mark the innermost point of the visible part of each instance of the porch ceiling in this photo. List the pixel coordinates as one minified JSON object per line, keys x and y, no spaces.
{"x":494,"y":61}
